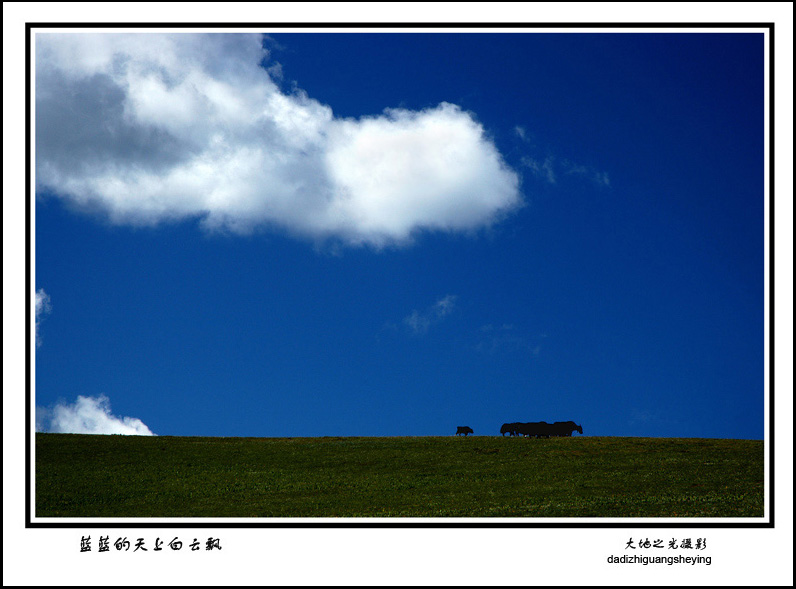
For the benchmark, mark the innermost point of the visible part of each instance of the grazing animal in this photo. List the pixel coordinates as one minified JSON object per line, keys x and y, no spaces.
{"x":510,"y":428}
{"x":536,"y":429}
{"x":463,"y":429}
{"x":565,"y":428}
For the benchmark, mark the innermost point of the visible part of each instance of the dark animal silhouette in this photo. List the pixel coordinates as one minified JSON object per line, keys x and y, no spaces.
{"x":509,"y":428}
{"x":536,"y":429}
{"x":463,"y":429}
{"x":565,"y":428}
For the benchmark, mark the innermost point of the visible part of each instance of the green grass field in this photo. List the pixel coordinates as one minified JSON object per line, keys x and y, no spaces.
{"x":476,"y":476}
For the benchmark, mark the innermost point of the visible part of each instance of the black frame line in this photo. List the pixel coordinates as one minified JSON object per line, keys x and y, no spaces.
{"x":397,"y":523}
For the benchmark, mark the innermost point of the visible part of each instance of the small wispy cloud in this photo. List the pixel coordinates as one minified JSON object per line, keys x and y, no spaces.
{"x":88,"y":415}
{"x":493,"y":339}
{"x":419,"y":321}
{"x":549,"y":168}
{"x":589,"y":173}
{"x":541,"y":169}
{"x":43,"y":306}
{"x":444,"y":306}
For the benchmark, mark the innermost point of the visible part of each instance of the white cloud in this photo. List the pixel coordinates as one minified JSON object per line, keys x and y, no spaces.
{"x":493,"y":339}
{"x":155,"y":127}
{"x":43,"y":306}
{"x":588,"y":172}
{"x":444,"y":306}
{"x":88,"y":415}
{"x":541,"y":169}
{"x":419,"y":322}
{"x":551,"y":168}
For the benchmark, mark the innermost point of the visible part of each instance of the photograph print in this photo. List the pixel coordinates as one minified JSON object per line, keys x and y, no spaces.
{"x":434,"y":274}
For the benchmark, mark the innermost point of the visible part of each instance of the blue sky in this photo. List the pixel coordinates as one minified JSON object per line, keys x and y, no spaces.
{"x":395,"y":234}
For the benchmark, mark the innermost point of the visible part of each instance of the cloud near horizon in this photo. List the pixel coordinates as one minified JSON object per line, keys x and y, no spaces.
{"x":148,"y":128}
{"x":88,"y":415}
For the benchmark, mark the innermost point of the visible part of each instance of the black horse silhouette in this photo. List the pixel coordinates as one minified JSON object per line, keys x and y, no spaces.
{"x":463,"y":429}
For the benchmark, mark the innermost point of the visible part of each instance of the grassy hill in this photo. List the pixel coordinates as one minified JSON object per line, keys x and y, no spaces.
{"x":476,"y":476}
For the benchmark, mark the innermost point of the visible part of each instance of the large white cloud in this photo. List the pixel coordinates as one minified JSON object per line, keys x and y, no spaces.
{"x":153,"y":127}
{"x":88,"y":415}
